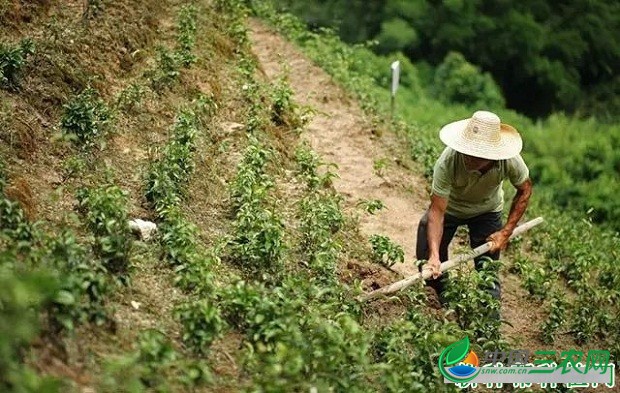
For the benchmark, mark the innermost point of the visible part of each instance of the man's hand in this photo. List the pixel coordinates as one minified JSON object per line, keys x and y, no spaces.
{"x":499,"y":239}
{"x":433,"y":265}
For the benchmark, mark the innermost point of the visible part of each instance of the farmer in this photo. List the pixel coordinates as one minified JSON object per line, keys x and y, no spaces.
{"x":467,"y":190}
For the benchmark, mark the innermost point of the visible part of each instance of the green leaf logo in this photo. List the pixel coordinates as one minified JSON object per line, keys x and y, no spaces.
{"x":457,"y":351}
{"x":453,"y":354}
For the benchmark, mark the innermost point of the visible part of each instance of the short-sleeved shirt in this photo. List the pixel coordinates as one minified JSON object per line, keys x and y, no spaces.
{"x":470,"y":192}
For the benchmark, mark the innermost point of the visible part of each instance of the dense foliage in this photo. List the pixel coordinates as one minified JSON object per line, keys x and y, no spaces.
{"x":545,"y":55}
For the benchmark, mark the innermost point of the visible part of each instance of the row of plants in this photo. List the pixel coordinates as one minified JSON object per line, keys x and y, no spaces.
{"x":170,"y":61}
{"x":319,"y":214}
{"x":155,"y":364}
{"x":27,"y":289}
{"x":302,"y":328}
{"x":57,"y":275}
{"x":165,"y":189}
{"x":257,"y":245}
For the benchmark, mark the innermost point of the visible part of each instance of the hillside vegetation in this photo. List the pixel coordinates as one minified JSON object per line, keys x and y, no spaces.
{"x":113,"y":110}
{"x":546,"y":56}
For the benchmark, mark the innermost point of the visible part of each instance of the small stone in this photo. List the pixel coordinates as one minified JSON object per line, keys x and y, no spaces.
{"x":135,"y":305}
{"x":145,"y":229}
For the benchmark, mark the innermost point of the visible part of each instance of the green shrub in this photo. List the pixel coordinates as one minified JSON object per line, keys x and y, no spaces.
{"x":406,"y":349}
{"x":105,"y":210}
{"x":386,"y":252}
{"x":557,"y":317}
{"x":458,"y":81}
{"x":476,"y":310}
{"x":12,"y":60}
{"x":155,"y":353}
{"x":202,"y":324}
{"x":84,"y":283}
{"x":22,"y":296}
{"x":298,"y":335}
{"x":186,"y":39}
{"x":85,"y":118}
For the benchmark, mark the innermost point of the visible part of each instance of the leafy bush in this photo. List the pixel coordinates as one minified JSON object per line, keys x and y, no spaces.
{"x":298,"y":336}
{"x":167,"y":70}
{"x":258,"y":244}
{"x":186,"y":26}
{"x":476,"y":310}
{"x":83,"y":287}
{"x":22,"y":296}
{"x":386,"y":252}
{"x":171,"y":172}
{"x":202,"y":324}
{"x":154,"y":353}
{"x":105,"y":210}
{"x":557,"y":317}
{"x":406,"y":350}
{"x":258,"y":241}
{"x":308,"y":164}
{"x":12,"y":60}
{"x":85,"y":118}
{"x":456,"y":80}
{"x":284,"y":111}
{"x":321,"y":217}
{"x":165,"y":186}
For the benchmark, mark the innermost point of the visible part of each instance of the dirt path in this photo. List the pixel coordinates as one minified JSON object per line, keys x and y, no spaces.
{"x":340,"y":135}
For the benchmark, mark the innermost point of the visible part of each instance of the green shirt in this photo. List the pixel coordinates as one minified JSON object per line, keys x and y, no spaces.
{"x":471,"y":193}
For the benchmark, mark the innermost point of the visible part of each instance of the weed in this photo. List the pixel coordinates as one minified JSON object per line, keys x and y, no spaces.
{"x":379,"y":166}
{"x":129,"y":98}
{"x":371,"y":206}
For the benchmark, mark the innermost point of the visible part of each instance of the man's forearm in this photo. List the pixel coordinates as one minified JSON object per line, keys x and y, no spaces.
{"x":435,"y":231}
{"x":518,"y":206}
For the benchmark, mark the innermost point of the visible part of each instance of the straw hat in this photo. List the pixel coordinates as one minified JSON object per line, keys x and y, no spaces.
{"x":482,"y":135}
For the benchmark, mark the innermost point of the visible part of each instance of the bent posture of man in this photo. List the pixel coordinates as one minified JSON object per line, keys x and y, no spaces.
{"x":467,"y":190}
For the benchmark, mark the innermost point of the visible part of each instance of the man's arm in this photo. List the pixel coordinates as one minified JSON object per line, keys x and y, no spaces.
{"x":517,"y":209}
{"x":434,"y":232}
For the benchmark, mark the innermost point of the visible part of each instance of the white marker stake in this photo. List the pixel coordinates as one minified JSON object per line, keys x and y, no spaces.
{"x":395,"y":77}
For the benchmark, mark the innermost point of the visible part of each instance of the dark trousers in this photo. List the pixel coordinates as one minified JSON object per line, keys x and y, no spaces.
{"x":480,"y":227}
